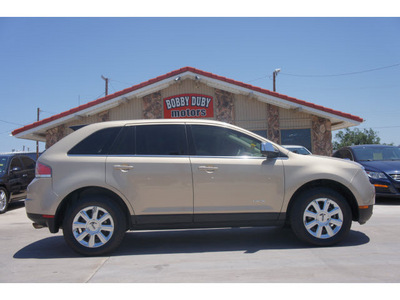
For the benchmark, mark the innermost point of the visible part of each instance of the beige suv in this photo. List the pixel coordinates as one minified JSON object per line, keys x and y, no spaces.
{"x":107,"y":178}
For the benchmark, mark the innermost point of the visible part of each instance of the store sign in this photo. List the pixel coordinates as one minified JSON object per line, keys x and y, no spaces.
{"x":188,"y":106}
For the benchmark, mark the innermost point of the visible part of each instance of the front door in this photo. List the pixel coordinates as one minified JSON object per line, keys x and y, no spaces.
{"x":232,"y":180}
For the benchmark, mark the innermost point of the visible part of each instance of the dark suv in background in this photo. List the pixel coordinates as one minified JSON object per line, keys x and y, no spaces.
{"x":16,"y":172}
{"x":381,"y":163}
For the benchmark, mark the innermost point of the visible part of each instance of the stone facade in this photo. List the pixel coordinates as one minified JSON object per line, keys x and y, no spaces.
{"x":321,"y":136}
{"x":273,"y":123}
{"x":54,"y":135}
{"x":104,"y":116}
{"x":224,"y":106}
{"x":152,"y":106}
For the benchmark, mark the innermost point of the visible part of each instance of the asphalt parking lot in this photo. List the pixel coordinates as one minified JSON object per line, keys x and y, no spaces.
{"x":248,"y":255}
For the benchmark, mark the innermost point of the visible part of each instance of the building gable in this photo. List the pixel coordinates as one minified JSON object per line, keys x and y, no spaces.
{"x":193,"y":93}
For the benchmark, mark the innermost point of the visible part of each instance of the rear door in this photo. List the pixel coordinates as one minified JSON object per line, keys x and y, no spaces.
{"x":28,"y":173}
{"x":150,"y":165}
{"x":16,"y":173}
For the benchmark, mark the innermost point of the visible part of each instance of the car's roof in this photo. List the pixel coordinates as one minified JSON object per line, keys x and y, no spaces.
{"x":9,"y":154}
{"x":158,"y":121}
{"x":162,"y":121}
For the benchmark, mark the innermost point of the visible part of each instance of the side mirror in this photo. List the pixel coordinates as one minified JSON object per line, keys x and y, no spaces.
{"x":268,"y":150}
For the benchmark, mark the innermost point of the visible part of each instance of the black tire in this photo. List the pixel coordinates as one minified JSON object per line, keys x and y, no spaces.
{"x":321,"y":217}
{"x":101,"y":229}
{"x":4,"y":200}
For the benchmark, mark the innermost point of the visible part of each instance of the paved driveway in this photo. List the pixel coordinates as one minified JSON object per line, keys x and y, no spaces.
{"x":370,"y":254}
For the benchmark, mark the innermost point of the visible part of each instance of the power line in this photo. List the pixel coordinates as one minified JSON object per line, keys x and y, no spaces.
{"x":12,"y":123}
{"x":329,"y":75}
{"x":48,"y":112}
{"x":113,"y":87}
{"x":266,"y":76}
{"x":130,"y":84}
{"x":6,"y":132}
{"x":343,"y":74}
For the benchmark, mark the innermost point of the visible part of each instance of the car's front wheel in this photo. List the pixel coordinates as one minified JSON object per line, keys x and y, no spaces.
{"x":94,"y":226}
{"x":4,"y":201}
{"x":321,"y":216}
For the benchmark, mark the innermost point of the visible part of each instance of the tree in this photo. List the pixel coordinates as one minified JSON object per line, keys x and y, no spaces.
{"x":355,"y":137}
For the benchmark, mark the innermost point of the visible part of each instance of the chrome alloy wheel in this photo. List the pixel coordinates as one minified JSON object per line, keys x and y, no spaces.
{"x":323,"y":218}
{"x":3,"y":200}
{"x":93,"y":226}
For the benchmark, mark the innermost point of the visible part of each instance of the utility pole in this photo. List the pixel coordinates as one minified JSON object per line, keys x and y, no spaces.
{"x":37,"y":142}
{"x":106,"y":79}
{"x":274,"y":78}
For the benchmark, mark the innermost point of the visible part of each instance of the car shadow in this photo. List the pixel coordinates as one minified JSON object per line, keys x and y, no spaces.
{"x":247,"y":240}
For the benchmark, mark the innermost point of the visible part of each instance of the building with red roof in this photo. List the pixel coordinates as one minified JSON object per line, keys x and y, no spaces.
{"x":193,"y":93}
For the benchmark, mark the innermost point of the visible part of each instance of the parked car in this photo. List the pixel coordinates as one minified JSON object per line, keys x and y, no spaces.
{"x":297,"y":149}
{"x":16,"y":172}
{"x":381,"y":163}
{"x":106,"y":178}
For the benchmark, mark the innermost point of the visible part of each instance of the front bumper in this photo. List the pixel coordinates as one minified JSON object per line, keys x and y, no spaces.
{"x":364,"y":214}
{"x":386,"y":188}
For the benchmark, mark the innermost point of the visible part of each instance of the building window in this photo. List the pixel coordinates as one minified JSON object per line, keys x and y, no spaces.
{"x":262,"y":133}
{"x":296,"y":137}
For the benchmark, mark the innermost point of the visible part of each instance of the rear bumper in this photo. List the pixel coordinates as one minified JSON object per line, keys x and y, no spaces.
{"x":45,"y":221}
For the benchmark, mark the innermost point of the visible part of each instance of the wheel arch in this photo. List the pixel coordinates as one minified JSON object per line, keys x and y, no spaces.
{"x":325,"y":183}
{"x":2,"y":185}
{"x":74,"y":197}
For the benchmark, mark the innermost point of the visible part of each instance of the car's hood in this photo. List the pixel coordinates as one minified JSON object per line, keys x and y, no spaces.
{"x":387,"y":166}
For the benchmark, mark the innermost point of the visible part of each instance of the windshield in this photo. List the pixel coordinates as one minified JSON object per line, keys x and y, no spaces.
{"x":377,"y":153}
{"x":3,"y":163}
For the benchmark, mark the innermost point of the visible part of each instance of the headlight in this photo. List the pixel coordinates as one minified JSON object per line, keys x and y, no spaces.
{"x":376,"y":175}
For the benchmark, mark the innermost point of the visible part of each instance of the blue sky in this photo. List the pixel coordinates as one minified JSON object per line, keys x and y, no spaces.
{"x":56,"y":63}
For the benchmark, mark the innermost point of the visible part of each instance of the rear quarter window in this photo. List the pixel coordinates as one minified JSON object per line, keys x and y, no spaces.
{"x":98,"y":143}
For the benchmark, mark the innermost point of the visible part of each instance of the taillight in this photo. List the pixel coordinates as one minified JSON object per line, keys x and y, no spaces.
{"x":42,"y":170}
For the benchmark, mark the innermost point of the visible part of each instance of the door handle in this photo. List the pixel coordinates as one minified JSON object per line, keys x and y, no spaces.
{"x":208,"y":169}
{"x":123,"y":168}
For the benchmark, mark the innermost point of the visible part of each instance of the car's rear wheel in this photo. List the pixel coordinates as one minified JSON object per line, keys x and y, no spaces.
{"x":321,"y":217}
{"x":4,"y":201}
{"x":94,"y":226}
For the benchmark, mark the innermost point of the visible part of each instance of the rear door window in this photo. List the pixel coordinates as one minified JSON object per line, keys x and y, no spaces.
{"x":125,"y":142}
{"x":28,"y":163}
{"x":161,"y":140}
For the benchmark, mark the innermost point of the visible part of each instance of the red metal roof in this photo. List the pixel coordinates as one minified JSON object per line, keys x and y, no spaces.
{"x":176,"y":73}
